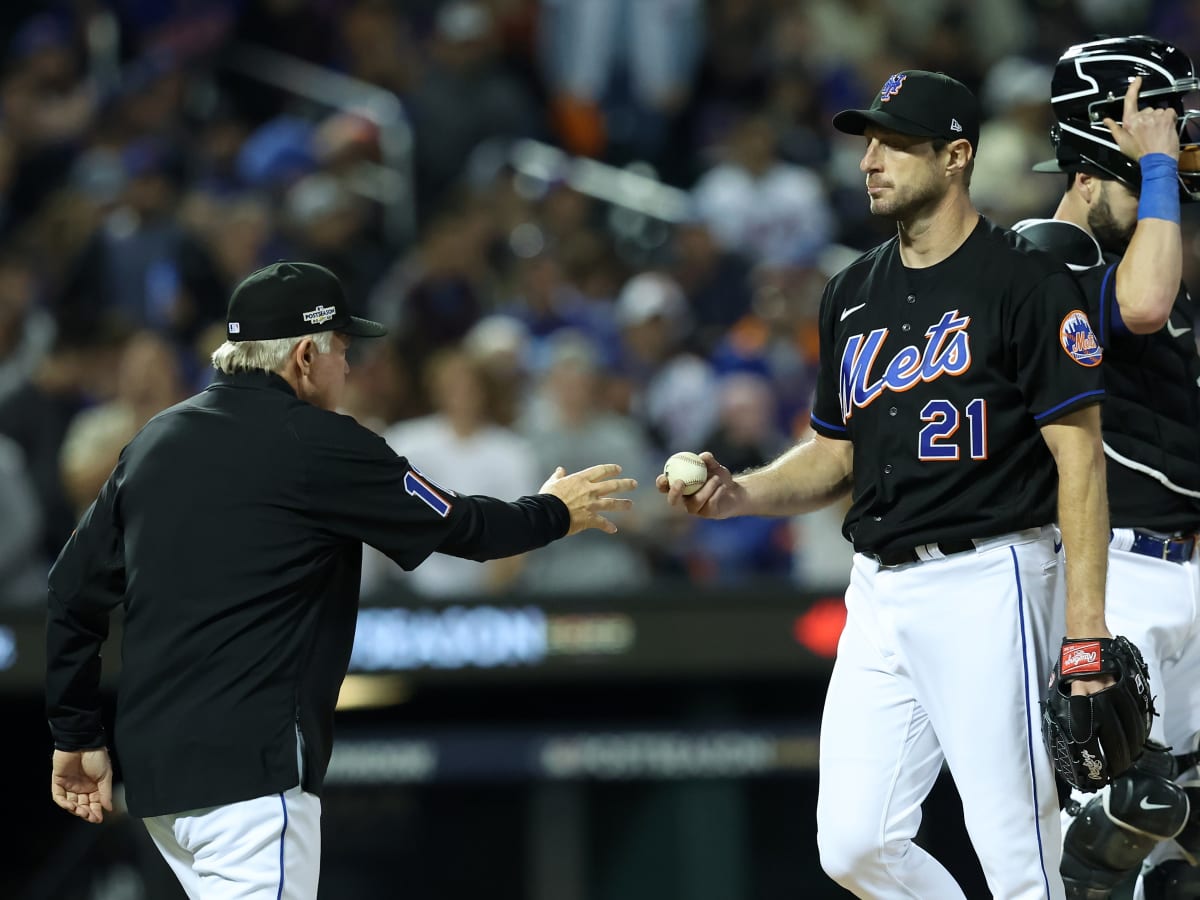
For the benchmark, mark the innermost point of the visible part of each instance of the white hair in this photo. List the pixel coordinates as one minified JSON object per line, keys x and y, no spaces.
{"x":265,"y":356}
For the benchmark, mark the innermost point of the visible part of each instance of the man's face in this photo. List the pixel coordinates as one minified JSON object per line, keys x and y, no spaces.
{"x":902,"y":173}
{"x":1112,"y":216}
{"x":326,"y":380}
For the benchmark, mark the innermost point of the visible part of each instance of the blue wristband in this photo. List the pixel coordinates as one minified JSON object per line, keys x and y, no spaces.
{"x":1160,"y":188}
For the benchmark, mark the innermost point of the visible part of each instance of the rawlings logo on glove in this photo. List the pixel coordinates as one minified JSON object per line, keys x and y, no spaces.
{"x":1080,"y":658}
{"x":1093,"y":738}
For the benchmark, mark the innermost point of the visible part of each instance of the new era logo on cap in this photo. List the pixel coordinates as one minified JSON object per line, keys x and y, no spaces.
{"x":954,"y":126}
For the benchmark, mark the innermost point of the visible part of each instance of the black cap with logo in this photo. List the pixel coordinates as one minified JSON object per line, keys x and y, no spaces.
{"x":919,"y":103}
{"x":292,"y":299}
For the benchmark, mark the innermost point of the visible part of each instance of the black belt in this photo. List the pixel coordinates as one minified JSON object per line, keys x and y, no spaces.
{"x":914,"y":554}
{"x":1171,"y":549}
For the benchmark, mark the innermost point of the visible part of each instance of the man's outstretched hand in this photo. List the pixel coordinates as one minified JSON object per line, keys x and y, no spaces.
{"x":588,"y":495}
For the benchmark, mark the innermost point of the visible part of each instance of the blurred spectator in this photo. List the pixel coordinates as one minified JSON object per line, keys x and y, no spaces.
{"x":458,"y":444}
{"x":779,"y":337}
{"x":734,"y":74}
{"x":962,"y":38}
{"x":463,"y":98}
{"x":216,"y":148}
{"x":148,"y":101}
{"x":664,"y":387}
{"x":37,"y":414}
{"x":716,"y":281}
{"x":345,"y":140}
{"x":380,"y":389}
{"x":546,"y":301}
{"x":619,"y":71}
{"x":141,"y":263}
{"x":47,"y":106}
{"x":1016,"y":99}
{"x":236,"y":230}
{"x":565,"y":214}
{"x":746,"y":436}
{"x":771,"y":212}
{"x":500,"y":345}
{"x":377,"y":46}
{"x":23,"y":567}
{"x":568,"y":427}
{"x":324,"y":222}
{"x":837,"y":33}
{"x":27,"y":330}
{"x":432,"y":296}
{"x":277,"y":154}
{"x":821,"y":555}
{"x":148,"y":381}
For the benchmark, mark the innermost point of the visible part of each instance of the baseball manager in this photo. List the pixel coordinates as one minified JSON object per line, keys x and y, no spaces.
{"x":231,"y":532}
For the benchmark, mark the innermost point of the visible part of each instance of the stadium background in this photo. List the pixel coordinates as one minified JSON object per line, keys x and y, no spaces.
{"x":599,"y":230}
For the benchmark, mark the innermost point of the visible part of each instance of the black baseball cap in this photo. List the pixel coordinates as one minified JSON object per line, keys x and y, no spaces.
{"x":923,"y":104}
{"x":292,"y":299}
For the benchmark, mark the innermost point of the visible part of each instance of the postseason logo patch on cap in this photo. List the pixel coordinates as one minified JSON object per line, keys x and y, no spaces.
{"x":320,"y":315}
{"x":1079,"y":340}
{"x":892,"y":87}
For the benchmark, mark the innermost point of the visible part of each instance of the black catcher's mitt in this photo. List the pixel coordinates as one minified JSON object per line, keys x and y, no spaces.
{"x":1094,"y":738}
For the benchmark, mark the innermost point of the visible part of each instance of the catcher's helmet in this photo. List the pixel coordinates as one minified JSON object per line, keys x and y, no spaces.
{"x":1089,"y":85}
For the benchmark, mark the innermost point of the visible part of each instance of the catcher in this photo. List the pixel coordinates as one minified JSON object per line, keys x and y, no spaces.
{"x":1125,"y":137}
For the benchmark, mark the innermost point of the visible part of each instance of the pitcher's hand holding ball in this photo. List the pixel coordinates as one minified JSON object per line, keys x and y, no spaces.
{"x":719,"y":497}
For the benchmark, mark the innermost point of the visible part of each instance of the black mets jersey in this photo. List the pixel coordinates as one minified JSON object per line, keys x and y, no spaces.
{"x":941,"y":377}
{"x":1151,"y":417}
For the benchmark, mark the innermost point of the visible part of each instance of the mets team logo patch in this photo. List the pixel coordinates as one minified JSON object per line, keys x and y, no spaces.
{"x":891,"y":87}
{"x":1079,"y":340}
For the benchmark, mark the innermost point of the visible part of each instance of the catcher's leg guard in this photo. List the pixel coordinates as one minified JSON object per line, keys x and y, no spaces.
{"x":1173,"y":879}
{"x":1117,"y":829}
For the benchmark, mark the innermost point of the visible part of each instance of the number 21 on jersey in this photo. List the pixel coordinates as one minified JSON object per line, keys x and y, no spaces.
{"x":938,"y":442}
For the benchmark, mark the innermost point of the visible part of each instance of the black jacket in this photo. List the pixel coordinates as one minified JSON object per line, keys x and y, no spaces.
{"x":231,"y":529}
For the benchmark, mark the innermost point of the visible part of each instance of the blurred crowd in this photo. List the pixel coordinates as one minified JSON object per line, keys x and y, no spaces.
{"x":151,"y":156}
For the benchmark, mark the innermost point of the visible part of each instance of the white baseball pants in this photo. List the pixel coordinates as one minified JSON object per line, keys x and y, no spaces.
{"x":268,"y":848}
{"x":944,"y":661}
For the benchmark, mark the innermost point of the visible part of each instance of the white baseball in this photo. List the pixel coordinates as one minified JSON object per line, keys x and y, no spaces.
{"x":688,"y":468}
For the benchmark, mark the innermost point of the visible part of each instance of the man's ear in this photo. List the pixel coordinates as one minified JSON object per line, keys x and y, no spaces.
{"x":959,"y":156}
{"x":302,"y":354}
{"x":1087,"y":185}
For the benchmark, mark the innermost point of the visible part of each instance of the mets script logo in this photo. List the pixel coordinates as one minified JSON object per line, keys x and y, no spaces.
{"x":892,"y":87}
{"x":947,"y":351}
{"x":1079,"y":340}
{"x":320,"y":315}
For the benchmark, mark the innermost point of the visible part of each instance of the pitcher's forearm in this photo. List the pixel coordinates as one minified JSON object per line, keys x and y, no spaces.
{"x":807,"y":477}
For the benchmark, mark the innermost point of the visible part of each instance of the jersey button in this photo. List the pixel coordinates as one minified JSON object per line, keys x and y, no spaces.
{"x":892,"y":411}
{"x":877,"y":518}
{"x":887,"y":470}
{"x":906,"y":327}
{"x":911,"y":298}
